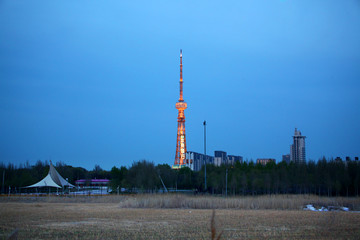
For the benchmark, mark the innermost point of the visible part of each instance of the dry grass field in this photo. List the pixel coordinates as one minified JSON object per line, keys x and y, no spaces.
{"x":113,"y":217}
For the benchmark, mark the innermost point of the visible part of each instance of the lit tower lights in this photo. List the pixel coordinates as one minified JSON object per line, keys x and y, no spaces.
{"x":181,"y":137}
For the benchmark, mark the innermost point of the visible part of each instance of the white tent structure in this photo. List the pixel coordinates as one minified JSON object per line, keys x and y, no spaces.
{"x":52,"y":179}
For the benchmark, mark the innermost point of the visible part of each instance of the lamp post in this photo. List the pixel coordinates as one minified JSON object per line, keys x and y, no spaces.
{"x":3,"y":183}
{"x":205,"y":151}
{"x":226,"y":180}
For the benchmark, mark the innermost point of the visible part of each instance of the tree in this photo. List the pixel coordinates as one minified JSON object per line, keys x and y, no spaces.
{"x":167,"y":174}
{"x":143,"y":175}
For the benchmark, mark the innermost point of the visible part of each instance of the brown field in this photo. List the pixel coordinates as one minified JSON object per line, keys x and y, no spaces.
{"x":141,"y":217}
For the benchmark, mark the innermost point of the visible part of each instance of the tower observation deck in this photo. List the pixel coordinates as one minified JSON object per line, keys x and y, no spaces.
{"x":181,"y":137}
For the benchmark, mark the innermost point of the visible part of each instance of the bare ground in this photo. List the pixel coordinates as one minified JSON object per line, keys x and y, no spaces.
{"x":53,"y":220}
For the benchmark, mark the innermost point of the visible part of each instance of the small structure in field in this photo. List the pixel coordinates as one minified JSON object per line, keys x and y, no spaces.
{"x":93,"y":186}
{"x":52,"y":180}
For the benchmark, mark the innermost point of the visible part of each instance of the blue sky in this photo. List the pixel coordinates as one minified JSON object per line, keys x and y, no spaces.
{"x":96,"y":82}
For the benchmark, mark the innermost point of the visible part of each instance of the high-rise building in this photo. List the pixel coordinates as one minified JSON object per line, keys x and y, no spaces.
{"x":180,"y":154}
{"x":297,"y":149}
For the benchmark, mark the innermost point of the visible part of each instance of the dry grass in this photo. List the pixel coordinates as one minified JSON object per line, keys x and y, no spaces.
{"x":264,"y":202}
{"x":64,"y":199}
{"x":278,"y":202}
{"x":52,"y":220}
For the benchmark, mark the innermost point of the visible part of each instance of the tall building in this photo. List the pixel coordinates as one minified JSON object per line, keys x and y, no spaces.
{"x":297,"y":149}
{"x":180,"y":154}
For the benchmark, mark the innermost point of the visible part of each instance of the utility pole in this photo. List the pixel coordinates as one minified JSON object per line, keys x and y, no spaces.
{"x":3,"y":183}
{"x":205,"y":151}
{"x":226,"y":181}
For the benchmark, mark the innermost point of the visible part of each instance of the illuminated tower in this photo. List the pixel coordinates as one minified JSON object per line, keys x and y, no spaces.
{"x":181,"y":138}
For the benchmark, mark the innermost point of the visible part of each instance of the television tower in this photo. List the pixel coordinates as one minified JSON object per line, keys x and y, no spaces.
{"x":181,"y":138}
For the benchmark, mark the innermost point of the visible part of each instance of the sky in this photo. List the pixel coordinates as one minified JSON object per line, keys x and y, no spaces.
{"x":96,"y":82}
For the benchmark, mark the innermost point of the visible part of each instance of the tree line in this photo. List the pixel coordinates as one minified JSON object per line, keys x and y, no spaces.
{"x":325,"y":177}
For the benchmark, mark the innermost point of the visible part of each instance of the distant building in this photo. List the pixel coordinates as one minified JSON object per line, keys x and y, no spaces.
{"x":297,"y":149}
{"x":92,"y":186}
{"x":197,"y":160}
{"x":286,"y":158}
{"x":264,"y":161}
{"x":349,"y":159}
{"x":92,"y":182}
{"x":220,"y":158}
{"x":233,"y":159}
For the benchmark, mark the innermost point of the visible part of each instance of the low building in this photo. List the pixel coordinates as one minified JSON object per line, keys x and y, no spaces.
{"x":232,"y":159}
{"x":220,"y":158}
{"x":349,"y":158}
{"x":197,"y":160}
{"x":92,"y":182}
{"x":264,"y":161}
{"x":338,"y":159}
{"x":92,"y":186}
{"x":286,"y":158}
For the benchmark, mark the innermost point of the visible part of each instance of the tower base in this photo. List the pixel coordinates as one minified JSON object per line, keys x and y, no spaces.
{"x":178,"y":166}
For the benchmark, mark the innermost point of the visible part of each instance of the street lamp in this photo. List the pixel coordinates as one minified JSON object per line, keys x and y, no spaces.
{"x":226,"y":175}
{"x":205,"y":151}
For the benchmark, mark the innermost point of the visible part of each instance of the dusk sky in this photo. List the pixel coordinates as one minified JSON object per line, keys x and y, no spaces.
{"x":96,"y":82}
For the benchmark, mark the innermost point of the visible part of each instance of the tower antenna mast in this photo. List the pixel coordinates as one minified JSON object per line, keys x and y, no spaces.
{"x":181,"y":99}
{"x":180,"y":155}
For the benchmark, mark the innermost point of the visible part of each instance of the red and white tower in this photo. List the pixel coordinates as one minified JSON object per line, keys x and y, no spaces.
{"x":181,"y":137}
